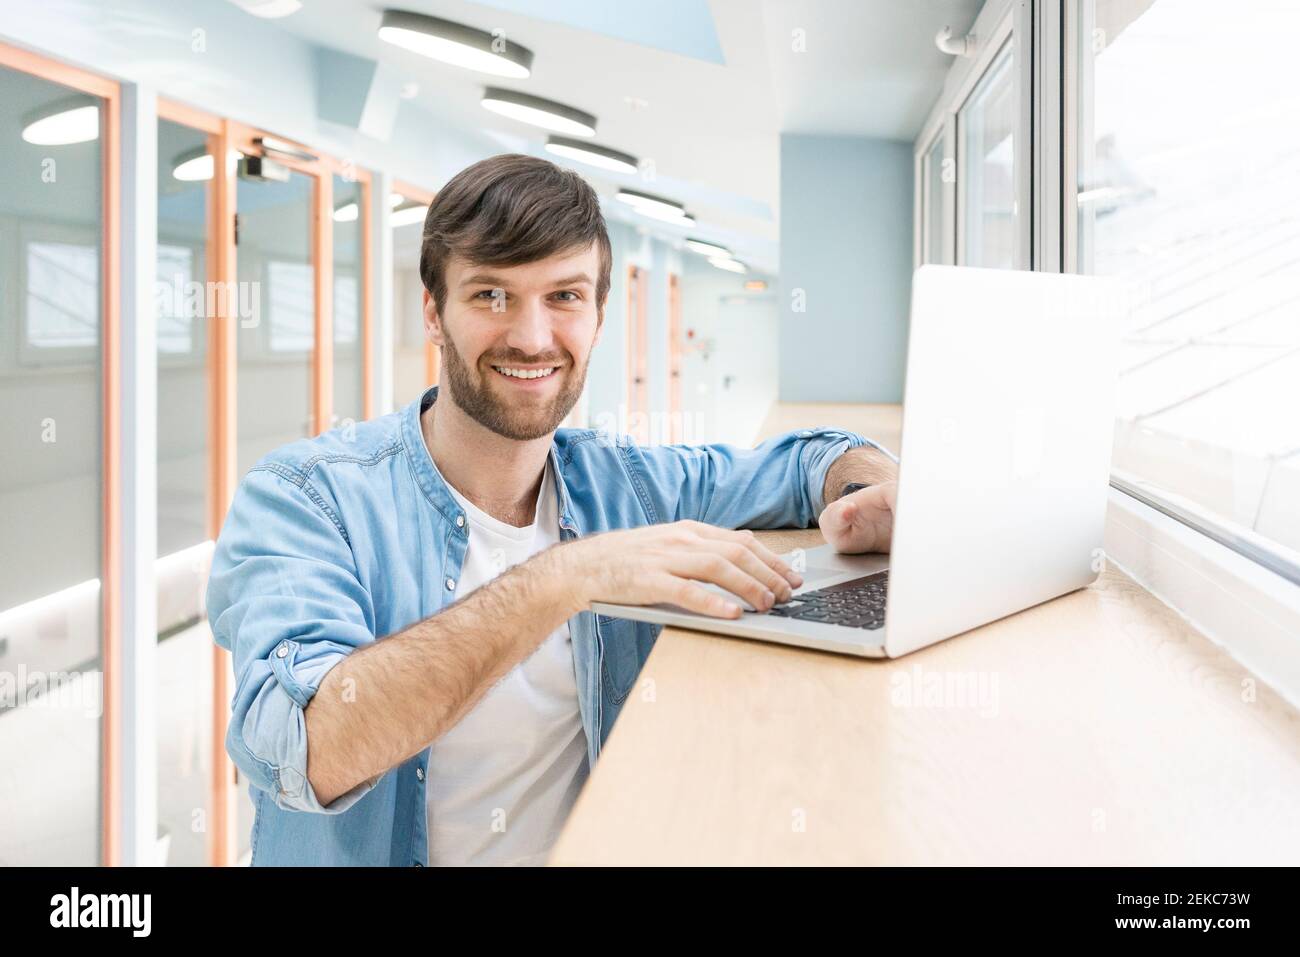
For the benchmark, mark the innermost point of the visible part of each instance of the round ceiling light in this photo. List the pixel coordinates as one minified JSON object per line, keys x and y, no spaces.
{"x":547,"y":114}
{"x":63,"y":124}
{"x":456,"y":44}
{"x":599,"y":156}
{"x":651,"y":205}
{"x":196,"y":165}
{"x":708,"y":249}
{"x":407,"y":215}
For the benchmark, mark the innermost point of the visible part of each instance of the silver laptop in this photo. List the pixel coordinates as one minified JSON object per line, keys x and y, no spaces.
{"x":1008,"y":415}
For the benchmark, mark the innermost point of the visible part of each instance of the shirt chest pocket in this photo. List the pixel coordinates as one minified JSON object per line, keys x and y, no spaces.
{"x":626,"y":645}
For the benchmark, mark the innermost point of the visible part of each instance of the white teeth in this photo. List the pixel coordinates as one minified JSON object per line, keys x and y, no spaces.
{"x":525,"y":373}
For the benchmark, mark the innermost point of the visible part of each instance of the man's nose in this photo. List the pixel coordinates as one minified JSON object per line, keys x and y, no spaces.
{"x":530,"y":328}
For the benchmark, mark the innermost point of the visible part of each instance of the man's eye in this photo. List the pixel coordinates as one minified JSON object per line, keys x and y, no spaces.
{"x":569,"y":293}
{"x":488,"y":294}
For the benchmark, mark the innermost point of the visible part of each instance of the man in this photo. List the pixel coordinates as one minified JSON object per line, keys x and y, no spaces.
{"x":418,"y":677}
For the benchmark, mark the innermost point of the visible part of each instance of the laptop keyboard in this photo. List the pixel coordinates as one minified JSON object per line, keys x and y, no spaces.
{"x":859,"y":603}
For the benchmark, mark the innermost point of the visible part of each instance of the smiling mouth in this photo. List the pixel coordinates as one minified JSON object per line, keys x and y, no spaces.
{"x":517,"y":372}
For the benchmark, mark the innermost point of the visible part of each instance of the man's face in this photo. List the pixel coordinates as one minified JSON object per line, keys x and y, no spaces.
{"x":516,"y":340}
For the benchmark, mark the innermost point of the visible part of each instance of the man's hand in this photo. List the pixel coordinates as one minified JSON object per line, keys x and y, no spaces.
{"x":862,"y":521}
{"x":664,"y":563}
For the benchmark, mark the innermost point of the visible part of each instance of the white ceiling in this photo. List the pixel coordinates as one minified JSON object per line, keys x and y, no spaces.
{"x":868,"y":68}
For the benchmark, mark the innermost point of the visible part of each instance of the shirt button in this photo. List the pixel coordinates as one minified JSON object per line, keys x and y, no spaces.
{"x":282,"y":651}
{"x":451,"y":584}
{"x":419,"y":774}
{"x":460,"y":521}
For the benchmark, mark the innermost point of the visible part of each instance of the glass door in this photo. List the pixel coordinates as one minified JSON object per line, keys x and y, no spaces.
{"x":276,"y":314}
{"x":59,"y":433}
{"x":187,"y":145}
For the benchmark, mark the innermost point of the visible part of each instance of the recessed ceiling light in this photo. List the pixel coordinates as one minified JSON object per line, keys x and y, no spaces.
{"x":650,"y":205}
{"x":708,"y":249}
{"x":456,"y":44}
{"x":599,"y":156}
{"x":547,"y":114}
{"x":63,"y":124}
{"x":730,"y":265}
{"x":196,"y":165}
{"x":407,"y":215}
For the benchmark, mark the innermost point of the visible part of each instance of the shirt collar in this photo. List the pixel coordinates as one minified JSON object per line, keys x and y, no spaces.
{"x":435,"y":487}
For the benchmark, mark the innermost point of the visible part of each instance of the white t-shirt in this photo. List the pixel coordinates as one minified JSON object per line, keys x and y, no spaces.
{"x":503,"y":780}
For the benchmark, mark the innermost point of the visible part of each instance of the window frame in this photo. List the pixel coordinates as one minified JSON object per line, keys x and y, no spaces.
{"x":998,"y":22}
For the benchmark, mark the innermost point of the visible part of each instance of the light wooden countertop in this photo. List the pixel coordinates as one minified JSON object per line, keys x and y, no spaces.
{"x":1099,"y":728}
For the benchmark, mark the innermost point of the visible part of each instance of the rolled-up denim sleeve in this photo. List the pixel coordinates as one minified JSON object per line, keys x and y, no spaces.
{"x":285,"y":600}
{"x":777,"y":484}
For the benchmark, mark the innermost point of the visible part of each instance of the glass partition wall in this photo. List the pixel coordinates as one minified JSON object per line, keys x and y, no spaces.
{"x":58,"y":493}
{"x":288,"y":331}
{"x":263,"y":331}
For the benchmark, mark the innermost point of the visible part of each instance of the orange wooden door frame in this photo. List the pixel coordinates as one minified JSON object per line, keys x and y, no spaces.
{"x":222,"y":453}
{"x":224,"y":136}
{"x":110,"y":765}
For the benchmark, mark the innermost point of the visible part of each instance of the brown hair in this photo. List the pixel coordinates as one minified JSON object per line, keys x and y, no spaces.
{"x":508,"y":210}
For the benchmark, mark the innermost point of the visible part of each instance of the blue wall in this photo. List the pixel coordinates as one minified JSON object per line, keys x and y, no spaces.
{"x":846,"y":242}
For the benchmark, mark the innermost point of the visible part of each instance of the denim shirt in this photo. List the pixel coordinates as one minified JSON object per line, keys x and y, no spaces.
{"x":335,"y":541}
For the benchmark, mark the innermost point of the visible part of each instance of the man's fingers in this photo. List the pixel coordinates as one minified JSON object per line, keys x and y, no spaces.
{"x":748,"y":560}
{"x":686,"y":594}
{"x":712,"y":567}
{"x":768,"y":557}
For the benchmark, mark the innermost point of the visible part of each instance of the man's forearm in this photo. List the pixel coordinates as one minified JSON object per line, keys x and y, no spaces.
{"x":865,"y":464}
{"x":389,"y":700}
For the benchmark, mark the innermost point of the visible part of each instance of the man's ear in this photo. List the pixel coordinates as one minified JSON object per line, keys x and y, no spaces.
{"x":432,"y":321}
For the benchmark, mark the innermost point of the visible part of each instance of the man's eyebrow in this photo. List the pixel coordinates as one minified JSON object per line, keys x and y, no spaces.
{"x":576,"y":279}
{"x":486,"y":279}
{"x":483,"y":279}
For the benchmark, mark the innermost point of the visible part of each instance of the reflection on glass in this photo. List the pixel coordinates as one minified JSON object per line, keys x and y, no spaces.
{"x":349,"y":404}
{"x":986,"y":183}
{"x":935,"y":240}
{"x":277,"y":315}
{"x":1193,"y":200}
{"x":62,"y":294}
{"x":51,"y":209}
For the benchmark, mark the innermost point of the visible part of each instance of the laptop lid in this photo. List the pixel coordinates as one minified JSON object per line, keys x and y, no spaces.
{"x":1008,"y":418}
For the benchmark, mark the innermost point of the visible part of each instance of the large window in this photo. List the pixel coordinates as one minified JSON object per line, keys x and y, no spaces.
{"x":935,"y":177}
{"x":986,"y":156}
{"x":1188,"y":149}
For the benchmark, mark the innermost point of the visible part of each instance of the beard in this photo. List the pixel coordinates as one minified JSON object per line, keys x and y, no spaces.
{"x":521,"y":420}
